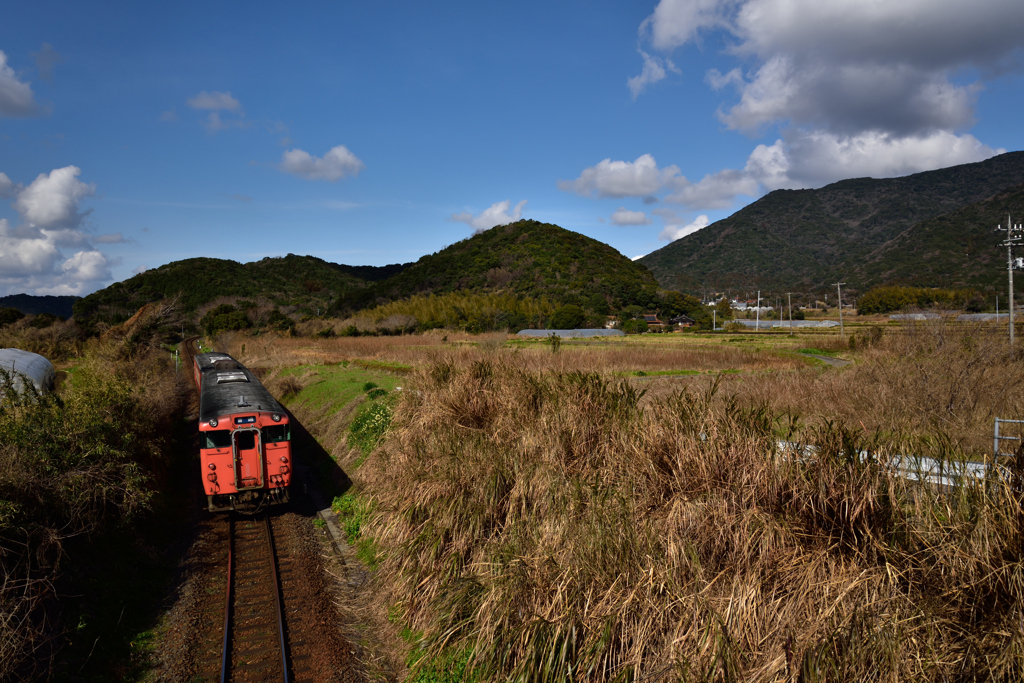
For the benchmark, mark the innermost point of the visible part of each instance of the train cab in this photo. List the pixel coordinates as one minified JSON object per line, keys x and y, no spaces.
{"x":244,"y":437}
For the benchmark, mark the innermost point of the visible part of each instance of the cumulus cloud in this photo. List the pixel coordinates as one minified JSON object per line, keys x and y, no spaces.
{"x":672,"y":232}
{"x":31,"y":256}
{"x":16,"y":98}
{"x":625,"y":217}
{"x":214,"y":101}
{"x":495,"y":214}
{"x":7,"y":188}
{"x":654,"y":70}
{"x":640,"y":178}
{"x":848,"y":66}
{"x":338,"y":163}
{"x":856,"y":87}
{"x":802,"y":159}
{"x":51,"y":201}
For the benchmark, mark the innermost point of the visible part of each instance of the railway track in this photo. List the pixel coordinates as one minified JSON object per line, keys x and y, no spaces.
{"x":189,"y":349}
{"x":254,"y":632}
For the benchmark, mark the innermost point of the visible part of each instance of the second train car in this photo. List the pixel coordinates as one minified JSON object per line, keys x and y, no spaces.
{"x":244,"y":437}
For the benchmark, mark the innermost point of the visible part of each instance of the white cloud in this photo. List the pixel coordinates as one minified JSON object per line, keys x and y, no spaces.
{"x":495,"y":214}
{"x":51,"y":201}
{"x":16,"y":98}
{"x":338,"y":163}
{"x":848,"y":66}
{"x":7,"y":188}
{"x":814,"y":158}
{"x":140,"y":270}
{"x":31,"y":259}
{"x":673,"y":232}
{"x":609,"y":178}
{"x":625,"y":217}
{"x":85,"y":266}
{"x":215,"y":101}
{"x":653,"y":71}
{"x":638,"y":257}
{"x":856,"y":87}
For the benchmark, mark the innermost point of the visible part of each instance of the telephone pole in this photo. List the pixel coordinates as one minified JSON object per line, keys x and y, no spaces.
{"x":757,"y":325}
{"x":1013,"y":236}
{"x":839,"y":288}
{"x":789,"y":295}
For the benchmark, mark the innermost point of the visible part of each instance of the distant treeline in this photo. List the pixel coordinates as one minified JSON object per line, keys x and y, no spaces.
{"x":895,"y":298}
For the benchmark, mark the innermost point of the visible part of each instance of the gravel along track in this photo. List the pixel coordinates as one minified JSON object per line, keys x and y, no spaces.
{"x":191,"y":642}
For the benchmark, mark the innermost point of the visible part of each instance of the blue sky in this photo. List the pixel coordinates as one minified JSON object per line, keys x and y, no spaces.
{"x":132,"y":135}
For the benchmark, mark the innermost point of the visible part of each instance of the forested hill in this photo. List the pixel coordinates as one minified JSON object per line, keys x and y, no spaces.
{"x":956,"y":250}
{"x":289,"y":280}
{"x":809,"y":238}
{"x":30,"y":304}
{"x":527,"y":258}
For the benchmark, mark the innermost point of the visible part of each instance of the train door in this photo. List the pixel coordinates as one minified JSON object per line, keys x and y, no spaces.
{"x":248,"y":459}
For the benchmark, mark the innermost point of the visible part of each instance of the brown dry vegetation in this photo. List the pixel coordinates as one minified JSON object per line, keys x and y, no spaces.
{"x":79,"y":463}
{"x":549,"y":524}
{"x":937,"y":379}
{"x":589,"y":356}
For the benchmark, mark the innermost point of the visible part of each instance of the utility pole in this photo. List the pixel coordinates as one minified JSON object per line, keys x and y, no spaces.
{"x":789,"y":295}
{"x":1013,"y":236}
{"x":839,"y":288}
{"x":757,"y":325}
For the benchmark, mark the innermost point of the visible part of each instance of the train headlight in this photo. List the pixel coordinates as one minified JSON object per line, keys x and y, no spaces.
{"x":284,"y":459}
{"x":213,"y":422}
{"x":275,"y":417}
{"x":212,"y":466}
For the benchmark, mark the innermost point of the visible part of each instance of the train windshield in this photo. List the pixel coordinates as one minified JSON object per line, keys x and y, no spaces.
{"x":276,"y":433}
{"x":218,"y":438}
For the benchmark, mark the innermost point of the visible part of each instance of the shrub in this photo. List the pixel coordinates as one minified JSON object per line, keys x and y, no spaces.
{"x":224,"y":318}
{"x":10,"y":315}
{"x":567,"y":317}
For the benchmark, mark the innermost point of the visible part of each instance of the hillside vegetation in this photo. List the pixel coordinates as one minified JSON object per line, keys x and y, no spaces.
{"x":290,"y":280}
{"x":527,"y":259}
{"x":863,"y":230}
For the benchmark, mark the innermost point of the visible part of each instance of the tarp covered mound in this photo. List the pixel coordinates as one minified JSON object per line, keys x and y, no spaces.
{"x":566,"y":334}
{"x":23,"y":364}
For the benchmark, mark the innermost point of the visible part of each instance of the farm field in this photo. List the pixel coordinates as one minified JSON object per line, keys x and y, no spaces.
{"x":618,"y":507}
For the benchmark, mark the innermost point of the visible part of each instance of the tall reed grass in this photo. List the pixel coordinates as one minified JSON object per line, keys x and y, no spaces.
{"x":557,"y":527}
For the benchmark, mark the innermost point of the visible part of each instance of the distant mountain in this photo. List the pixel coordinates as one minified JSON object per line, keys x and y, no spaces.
{"x":526,"y":258}
{"x":34,"y":305}
{"x":290,"y":280}
{"x":955,"y":250}
{"x":863,"y":231}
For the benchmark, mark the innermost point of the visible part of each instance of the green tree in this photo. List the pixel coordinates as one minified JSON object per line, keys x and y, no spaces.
{"x":568,"y":317}
{"x":724,"y":309}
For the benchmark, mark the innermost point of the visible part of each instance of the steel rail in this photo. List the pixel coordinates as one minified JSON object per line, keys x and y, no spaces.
{"x":277,"y":598}
{"x":225,"y":662}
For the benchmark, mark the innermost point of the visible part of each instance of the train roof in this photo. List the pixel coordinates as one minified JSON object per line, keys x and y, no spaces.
{"x":228,"y":387}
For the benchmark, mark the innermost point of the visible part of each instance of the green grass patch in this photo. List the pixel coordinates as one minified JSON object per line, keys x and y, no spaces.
{"x":353,"y":511}
{"x":383,"y":365}
{"x":335,"y":386}
{"x":817,"y":352}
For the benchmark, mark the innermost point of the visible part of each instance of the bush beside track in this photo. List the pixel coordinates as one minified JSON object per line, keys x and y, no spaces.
{"x":80,"y":467}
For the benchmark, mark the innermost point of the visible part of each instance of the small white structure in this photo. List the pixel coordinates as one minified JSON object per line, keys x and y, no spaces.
{"x":25,"y":364}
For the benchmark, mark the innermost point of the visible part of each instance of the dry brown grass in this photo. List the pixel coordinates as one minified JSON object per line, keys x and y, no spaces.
{"x":556,"y":528}
{"x":932,"y":378}
{"x":620,"y":356}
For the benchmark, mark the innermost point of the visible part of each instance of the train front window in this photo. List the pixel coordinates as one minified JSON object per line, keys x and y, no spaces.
{"x":218,"y":438}
{"x":276,"y":433}
{"x":246,"y":440}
